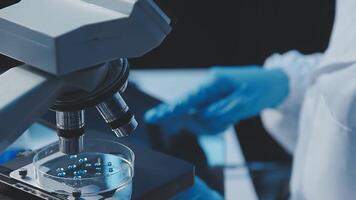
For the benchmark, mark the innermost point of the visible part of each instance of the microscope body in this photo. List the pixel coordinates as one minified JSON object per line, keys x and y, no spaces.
{"x":75,"y":57}
{"x":64,"y":36}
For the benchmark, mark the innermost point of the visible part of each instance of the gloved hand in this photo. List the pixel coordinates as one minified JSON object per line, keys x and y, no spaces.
{"x":9,"y":155}
{"x":229,"y":95}
{"x":199,"y":191}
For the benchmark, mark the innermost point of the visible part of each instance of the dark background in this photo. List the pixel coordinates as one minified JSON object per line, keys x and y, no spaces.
{"x":237,"y":32}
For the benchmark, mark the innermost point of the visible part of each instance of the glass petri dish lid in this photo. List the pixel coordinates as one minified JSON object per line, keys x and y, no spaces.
{"x":104,"y":166}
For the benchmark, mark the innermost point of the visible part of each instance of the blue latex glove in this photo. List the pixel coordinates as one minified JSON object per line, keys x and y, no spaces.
{"x":9,"y":155}
{"x":229,"y":95}
{"x":199,"y":191}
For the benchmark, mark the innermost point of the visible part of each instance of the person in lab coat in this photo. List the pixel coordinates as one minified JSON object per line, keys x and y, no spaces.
{"x":307,"y":103}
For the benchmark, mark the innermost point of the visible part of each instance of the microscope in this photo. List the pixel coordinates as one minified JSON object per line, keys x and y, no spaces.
{"x":75,"y":54}
{"x":75,"y":58}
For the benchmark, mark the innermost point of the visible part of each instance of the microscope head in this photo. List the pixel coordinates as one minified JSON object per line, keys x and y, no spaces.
{"x":74,"y":38}
{"x":60,"y":37}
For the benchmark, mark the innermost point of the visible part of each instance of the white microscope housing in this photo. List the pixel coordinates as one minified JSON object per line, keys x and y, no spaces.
{"x":63,"y":36}
{"x":75,"y":57}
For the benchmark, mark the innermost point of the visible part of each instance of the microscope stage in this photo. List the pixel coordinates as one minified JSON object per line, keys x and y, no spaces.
{"x":157,"y":176}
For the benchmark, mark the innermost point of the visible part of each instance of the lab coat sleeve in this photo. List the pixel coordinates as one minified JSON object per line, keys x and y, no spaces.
{"x":283,"y":122}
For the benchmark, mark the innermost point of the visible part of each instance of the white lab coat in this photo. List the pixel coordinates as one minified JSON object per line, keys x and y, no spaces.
{"x":317,"y":122}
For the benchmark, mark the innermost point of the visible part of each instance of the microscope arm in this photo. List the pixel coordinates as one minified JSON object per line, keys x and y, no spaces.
{"x":25,"y":95}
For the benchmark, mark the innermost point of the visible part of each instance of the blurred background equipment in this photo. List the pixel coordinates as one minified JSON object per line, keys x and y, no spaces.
{"x":242,"y":32}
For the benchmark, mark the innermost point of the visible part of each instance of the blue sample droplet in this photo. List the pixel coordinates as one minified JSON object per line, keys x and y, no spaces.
{"x":109,"y":163}
{"x":70,"y":167}
{"x":77,"y":177}
{"x":83,"y":160}
{"x":111,"y":169}
{"x":60,"y":170}
{"x":97,"y":164}
{"x":87,"y":165}
{"x":61,"y":174}
{"x":73,"y":157}
{"x":80,"y":172}
{"x":83,"y":172}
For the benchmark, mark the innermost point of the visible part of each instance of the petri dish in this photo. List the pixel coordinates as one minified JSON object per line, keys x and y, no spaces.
{"x":103,"y":166}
